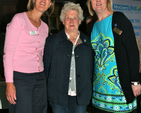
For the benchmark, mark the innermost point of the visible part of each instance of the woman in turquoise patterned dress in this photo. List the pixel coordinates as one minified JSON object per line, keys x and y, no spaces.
{"x":116,"y":66}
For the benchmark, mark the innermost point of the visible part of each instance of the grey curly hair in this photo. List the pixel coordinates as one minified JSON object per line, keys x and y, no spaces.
{"x":71,"y":6}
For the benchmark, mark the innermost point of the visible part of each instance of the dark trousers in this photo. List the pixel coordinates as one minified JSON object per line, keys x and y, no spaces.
{"x":72,"y":107}
{"x":30,"y":93}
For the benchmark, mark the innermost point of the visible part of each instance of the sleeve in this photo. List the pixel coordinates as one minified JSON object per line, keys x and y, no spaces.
{"x":13,"y":31}
{"x":130,"y":44}
{"x":47,"y":57}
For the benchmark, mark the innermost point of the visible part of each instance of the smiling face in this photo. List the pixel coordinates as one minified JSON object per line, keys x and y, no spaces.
{"x":42,"y":5}
{"x":99,"y":6}
{"x":71,"y":22}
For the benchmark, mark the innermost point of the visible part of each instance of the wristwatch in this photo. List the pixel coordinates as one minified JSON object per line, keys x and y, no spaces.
{"x":135,"y":83}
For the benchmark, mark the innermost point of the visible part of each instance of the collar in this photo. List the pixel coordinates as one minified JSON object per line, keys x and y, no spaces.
{"x":69,"y":36}
{"x":76,"y":38}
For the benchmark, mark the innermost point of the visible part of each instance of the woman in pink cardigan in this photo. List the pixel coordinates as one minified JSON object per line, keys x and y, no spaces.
{"x":23,"y":64}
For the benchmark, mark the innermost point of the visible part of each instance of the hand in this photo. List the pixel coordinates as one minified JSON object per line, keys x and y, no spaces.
{"x":11,"y":93}
{"x":136,"y":90}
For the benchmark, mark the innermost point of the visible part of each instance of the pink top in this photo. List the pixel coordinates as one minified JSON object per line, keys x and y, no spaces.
{"x":24,"y":44}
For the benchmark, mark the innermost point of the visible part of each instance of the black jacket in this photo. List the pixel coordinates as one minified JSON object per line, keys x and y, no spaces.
{"x":127,"y":54}
{"x":57,"y":59}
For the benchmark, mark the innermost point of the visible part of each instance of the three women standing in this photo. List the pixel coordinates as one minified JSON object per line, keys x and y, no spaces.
{"x":23,"y":64}
{"x":116,"y":73}
{"x":68,"y":61}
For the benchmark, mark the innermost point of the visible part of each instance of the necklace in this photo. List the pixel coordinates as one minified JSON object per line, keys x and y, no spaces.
{"x":72,"y":39}
{"x":36,"y":24}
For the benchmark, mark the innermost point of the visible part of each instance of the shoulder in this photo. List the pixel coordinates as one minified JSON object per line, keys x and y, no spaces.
{"x":121,"y":20}
{"x":119,"y":16}
{"x":59,"y":35}
{"x":51,"y":38}
{"x":118,"y":13}
{"x":56,"y":37}
{"x":19,"y":16}
{"x":17,"y":20}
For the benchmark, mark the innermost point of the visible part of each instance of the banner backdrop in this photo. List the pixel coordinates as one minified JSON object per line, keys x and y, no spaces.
{"x":132,"y":9}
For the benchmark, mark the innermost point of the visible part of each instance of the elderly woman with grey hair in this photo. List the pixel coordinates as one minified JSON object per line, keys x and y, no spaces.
{"x":68,"y":64}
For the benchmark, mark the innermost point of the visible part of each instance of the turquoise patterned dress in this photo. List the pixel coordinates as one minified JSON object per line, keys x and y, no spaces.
{"x":107,"y":91}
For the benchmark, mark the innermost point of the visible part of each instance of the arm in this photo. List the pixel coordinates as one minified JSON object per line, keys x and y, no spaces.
{"x":12,"y":35}
{"x":48,"y":51}
{"x":130,"y":44}
{"x":11,"y":39}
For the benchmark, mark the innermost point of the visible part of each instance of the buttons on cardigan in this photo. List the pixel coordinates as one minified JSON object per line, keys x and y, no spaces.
{"x":77,"y":56}
{"x":68,"y":55}
{"x":38,"y":68}
{"x":72,"y":55}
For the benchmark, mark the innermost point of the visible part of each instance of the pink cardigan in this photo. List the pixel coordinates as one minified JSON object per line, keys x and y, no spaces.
{"x":24,"y":44}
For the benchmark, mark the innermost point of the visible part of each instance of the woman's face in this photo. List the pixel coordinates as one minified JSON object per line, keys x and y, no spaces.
{"x":42,"y":5}
{"x":71,"y":21}
{"x":99,"y":6}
